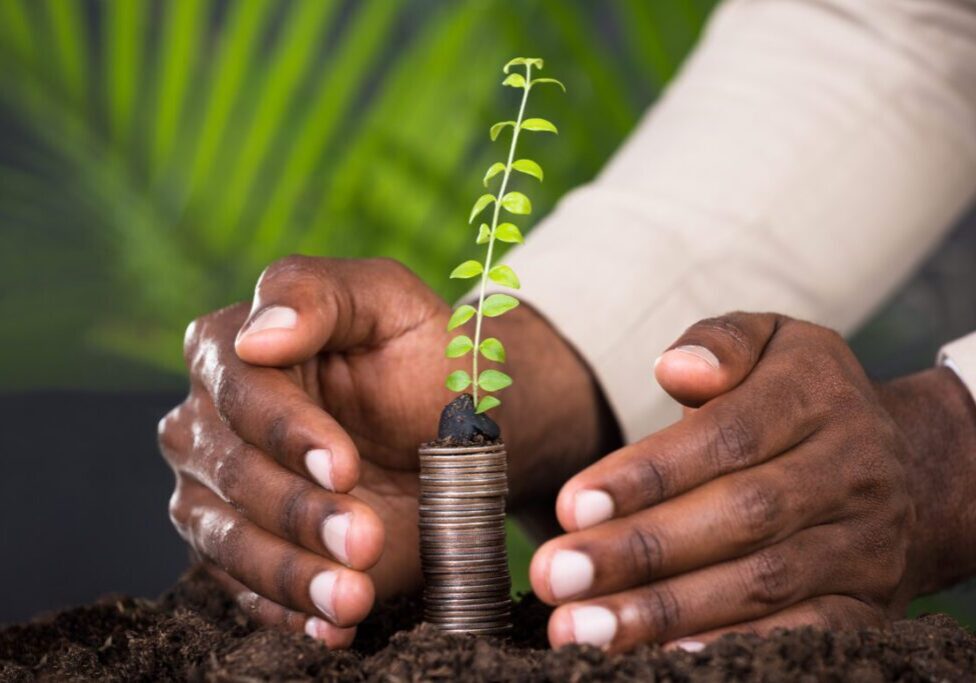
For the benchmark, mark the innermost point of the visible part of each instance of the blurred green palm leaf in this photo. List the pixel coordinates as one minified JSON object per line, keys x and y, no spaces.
{"x":154,"y":156}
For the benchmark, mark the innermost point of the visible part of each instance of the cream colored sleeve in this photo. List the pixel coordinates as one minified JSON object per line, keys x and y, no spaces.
{"x":807,"y":158}
{"x":960,"y":356}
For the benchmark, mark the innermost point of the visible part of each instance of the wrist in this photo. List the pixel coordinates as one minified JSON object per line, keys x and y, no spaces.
{"x":936,"y":414}
{"x":555,"y":419}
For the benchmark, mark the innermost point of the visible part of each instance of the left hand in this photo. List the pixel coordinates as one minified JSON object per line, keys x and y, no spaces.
{"x":781,"y":501}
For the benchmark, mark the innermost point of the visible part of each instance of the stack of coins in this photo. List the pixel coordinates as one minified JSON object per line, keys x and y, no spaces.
{"x":462,"y":539}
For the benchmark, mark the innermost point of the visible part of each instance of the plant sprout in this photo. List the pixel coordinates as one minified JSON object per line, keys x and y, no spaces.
{"x":513,"y":202}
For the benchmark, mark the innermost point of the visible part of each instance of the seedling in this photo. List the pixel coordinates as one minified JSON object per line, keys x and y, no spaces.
{"x":513,"y":202}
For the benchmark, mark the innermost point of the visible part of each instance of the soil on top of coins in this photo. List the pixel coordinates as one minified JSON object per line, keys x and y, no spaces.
{"x":194,"y":633}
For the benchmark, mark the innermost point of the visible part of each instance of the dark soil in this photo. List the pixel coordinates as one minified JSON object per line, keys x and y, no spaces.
{"x":460,"y":425}
{"x":194,"y":633}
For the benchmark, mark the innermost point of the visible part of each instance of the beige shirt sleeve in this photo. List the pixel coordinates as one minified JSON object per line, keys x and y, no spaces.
{"x":960,"y":356}
{"x":807,"y":158}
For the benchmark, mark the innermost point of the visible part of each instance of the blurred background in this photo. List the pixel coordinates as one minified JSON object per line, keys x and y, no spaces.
{"x":156,"y":155}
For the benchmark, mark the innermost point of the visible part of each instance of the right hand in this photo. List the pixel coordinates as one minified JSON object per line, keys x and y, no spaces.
{"x":270,"y":490}
{"x":338,"y":359}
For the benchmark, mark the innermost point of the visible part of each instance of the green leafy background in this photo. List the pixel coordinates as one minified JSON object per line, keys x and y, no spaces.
{"x":155,"y":155}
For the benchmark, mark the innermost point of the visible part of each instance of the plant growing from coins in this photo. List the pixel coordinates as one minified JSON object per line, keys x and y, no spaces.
{"x":512,"y":202}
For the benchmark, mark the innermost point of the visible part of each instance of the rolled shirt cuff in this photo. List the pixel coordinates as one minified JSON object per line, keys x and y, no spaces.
{"x":960,"y":357}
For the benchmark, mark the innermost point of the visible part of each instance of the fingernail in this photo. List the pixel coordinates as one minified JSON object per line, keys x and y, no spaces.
{"x":272,"y":318}
{"x":690,"y":645}
{"x":334,"y":531}
{"x":592,"y":507}
{"x":321,"y":590}
{"x":570,"y":573}
{"x":594,"y":626}
{"x":318,"y":462}
{"x":313,"y":626}
{"x":700,"y":352}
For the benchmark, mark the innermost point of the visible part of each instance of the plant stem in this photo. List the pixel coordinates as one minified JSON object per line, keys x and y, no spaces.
{"x":491,"y":234}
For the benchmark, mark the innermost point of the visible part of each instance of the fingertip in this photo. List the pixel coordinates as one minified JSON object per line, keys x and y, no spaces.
{"x":353,"y":595}
{"x":539,"y":572}
{"x":691,"y":374}
{"x":560,"y":628}
{"x":334,"y":637}
{"x":335,"y":467}
{"x":366,"y":539}
{"x":268,"y":336}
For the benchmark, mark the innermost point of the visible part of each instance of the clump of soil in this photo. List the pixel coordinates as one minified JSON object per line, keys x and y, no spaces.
{"x":194,"y":633}
{"x":460,"y":425}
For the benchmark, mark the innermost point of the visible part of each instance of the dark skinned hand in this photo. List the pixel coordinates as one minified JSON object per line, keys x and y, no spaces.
{"x":295,"y":451}
{"x":788,"y":495}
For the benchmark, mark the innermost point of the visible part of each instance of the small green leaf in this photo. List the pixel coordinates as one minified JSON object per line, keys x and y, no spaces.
{"x":518,"y":61}
{"x":493,"y":380}
{"x":496,"y":304}
{"x":466,"y":270}
{"x":516,"y":202}
{"x":460,"y":316}
{"x":515,"y":81}
{"x":547,"y":80}
{"x":508,"y":232}
{"x":458,"y":380}
{"x":492,"y":171}
{"x":504,"y":275}
{"x":528,"y":167}
{"x":498,"y":128}
{"x":459,"y":346}
{"x":492,"y":349}
{"x":540,"y":125}
{"x":484,"y":232}
{"x":479,"y":206}
{"x":487,"y":403}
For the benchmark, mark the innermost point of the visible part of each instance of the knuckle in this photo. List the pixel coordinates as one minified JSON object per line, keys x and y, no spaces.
{"x":227,"y":471}
{"x":727,"y":326}
{"x":293,"y":264}
{"x":166,"y":431}
{"x":756,"y":509}
{"x":659,"y":611}
{"x":731,"y":443}
{"x":770,"y":578}
{"x":295,"y":510}
{"x":645,"y":552}
{"x":228,"y":395}
{"x":278,"y":430}
{"x":650,"y":479}
{"x":178,"y":513}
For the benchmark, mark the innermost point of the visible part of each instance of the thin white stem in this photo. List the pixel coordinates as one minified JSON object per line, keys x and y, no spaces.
{"x":491,"y":235}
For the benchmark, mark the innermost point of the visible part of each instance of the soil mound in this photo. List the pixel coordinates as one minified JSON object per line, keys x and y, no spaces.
{"x":194,"y":633}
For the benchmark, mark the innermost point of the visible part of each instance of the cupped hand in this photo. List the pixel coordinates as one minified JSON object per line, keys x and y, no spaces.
{"x":271,"y":491}
{"x":780,"y":501}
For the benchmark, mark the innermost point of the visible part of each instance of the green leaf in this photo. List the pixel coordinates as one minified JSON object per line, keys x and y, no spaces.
{"x":547,"y":80}
{"x":487,"y":403}
{"x":492,"y":171}
{"x":460,"y":316}
{"x":497,"y":128}
{"x":515,"y":81}
{"x":519,"y":61}
{"x":458,"y":380}
{"x":504,"y":275}
{"x":484,"y":232}
{"x":459,"y":346}
{"x":479,"y":206}
{"x":528,"y":167}
{"x":466,"y":270}
{"x":539,"y":125}
{"x":516,"y":202}
{"x":496,"y":304}
{"x":508,"y":232}
{"x":492,"y":349}
{"x":493,"y":380}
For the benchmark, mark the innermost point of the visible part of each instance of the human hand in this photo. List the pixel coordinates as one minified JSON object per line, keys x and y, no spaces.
{"x":343,"y":359}
{"x":781,"y":501}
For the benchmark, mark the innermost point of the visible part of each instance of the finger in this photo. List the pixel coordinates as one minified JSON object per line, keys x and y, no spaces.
{"x":289,"y":506}
{"x":721,"y":520}
{"x":271,"y":614}
{"x":269,"y":566}
{"x":747,"y":588}
{"x":714,"y":355}
{"x":741,"y":429}
{"x":304,"y":305}
{"x":827,"y":613}
{"x":267,"y":407}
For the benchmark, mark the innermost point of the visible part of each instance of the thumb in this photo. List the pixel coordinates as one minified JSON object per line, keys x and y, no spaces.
{"x":304,"y":305}
{"x":713,"y":356}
